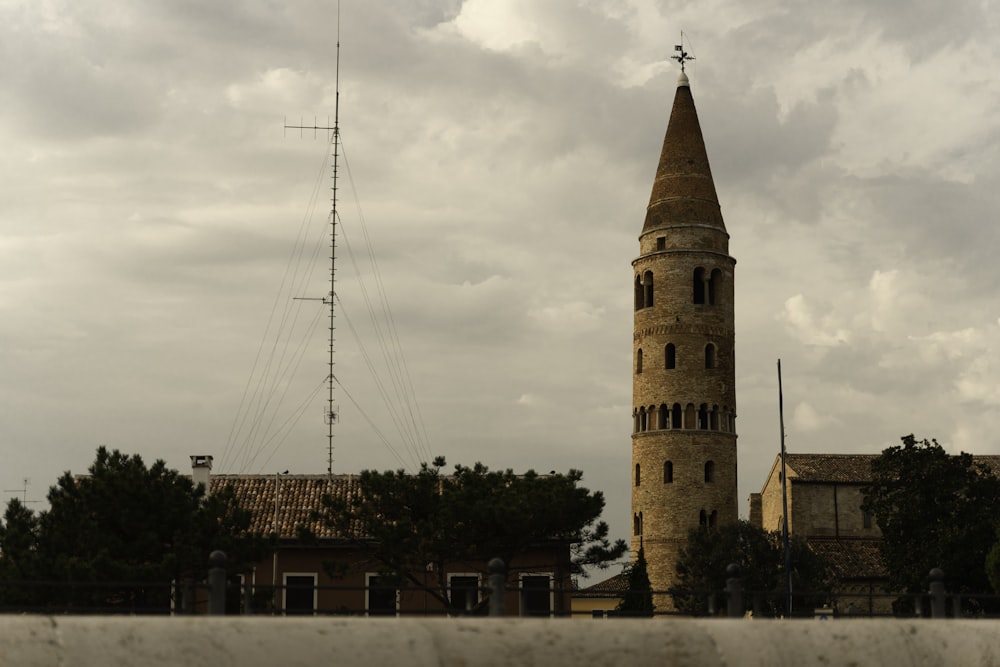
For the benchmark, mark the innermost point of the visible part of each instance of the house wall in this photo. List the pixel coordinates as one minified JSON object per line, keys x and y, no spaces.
{"x":830,"y":510}
{"x":585,"y":607}
{"x":817,"y":509}
{"x":770,"y":504}
{"x":341,"y":588}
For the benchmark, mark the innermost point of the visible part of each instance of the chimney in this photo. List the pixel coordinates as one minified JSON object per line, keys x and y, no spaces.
{"x":201,"y":471}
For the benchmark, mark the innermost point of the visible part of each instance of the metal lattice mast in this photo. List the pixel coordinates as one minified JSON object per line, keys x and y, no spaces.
{"x":329,"y":300}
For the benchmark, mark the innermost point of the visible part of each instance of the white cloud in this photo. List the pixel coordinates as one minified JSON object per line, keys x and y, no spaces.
{"x":806,"y":418}
{"x":810,"y":330}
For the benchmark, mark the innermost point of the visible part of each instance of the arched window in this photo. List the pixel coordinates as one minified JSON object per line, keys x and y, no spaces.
{"x":712,"y":518}
{"x":675,"y":416}
{"x":699,"y":285}
{"x":663,"y":417}
{"x":670,"y":355}
{"x":638,"y":477}
{"x":647,"y":284}
{"x":642,"y":418}
{"x":703,"y":417}
{"x":714,"y":287}
{"x":702,"y":518}
{"x":668,"y":472}
{"x":639,"y":298}
{"x":635,"y":421}
{"x":713,"y":419}
{"x":710,"y":358}
{"x":638,"y":362}
{"x":709,"y":472}
{"x":689,"y":416}
{"x":637,"y":524}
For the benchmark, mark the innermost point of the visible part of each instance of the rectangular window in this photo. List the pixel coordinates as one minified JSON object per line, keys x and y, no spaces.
{"x":866,"y":519}
{"x":661,"y":243}
{"x":381,"y":596}
{"x":464,"y":591}
{"x":300,"y":593}
{"x":536,"y":594}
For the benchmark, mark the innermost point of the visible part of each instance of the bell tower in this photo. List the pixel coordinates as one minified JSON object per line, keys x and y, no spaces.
{"x":683,"y":362}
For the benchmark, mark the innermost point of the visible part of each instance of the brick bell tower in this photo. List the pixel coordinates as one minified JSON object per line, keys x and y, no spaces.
{"x":683,"y":388}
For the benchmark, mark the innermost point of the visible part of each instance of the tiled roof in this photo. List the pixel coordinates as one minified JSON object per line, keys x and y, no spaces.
{"x":848,"y":468}
{"x":851,"y":558}
{"x":613,"y":587}
{"x":841,"y":468}
{"x":991,"y":460}
{"x":298,"y":496}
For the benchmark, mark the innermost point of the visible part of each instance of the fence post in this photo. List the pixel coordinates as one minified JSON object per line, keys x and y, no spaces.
{"x":498,"y":584}
{"x":247,"y":596}
{"x":734,"y":591}
{"x":937,"y":593}
{"x":217,"y":583}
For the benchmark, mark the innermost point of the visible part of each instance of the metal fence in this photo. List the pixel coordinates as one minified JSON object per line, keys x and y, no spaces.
{"x":223,"y":593}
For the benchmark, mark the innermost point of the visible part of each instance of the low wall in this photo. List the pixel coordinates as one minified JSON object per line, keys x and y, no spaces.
{"x":69,"y":641}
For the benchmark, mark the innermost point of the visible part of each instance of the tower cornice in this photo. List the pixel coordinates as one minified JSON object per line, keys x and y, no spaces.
{"x":685,"y":251}
{"x":663,"y":329}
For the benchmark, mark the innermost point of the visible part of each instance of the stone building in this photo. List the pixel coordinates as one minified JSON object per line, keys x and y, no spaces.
{"x":824,"y":495}
{"x":684,"y":399}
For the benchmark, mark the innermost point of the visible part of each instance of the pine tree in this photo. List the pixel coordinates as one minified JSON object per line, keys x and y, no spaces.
{"x":638,"y":600}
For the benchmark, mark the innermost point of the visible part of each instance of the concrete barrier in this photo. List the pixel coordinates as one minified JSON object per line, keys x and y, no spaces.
{"x":70,"y":641}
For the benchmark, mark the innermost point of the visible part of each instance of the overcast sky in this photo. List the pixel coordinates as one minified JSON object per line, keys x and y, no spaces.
{"x":502,"y":153}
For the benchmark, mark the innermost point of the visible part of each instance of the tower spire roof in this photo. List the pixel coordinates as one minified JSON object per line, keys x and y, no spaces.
{"x":683,"y":190}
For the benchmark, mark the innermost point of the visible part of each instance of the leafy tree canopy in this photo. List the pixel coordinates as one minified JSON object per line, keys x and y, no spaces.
{"x":408,"y":522}
{"x":122,"y":522}
{"x":701,"y":571}
{"x":935,"y":510}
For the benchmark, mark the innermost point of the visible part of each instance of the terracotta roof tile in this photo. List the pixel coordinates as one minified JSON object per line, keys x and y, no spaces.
{"x":615,"y":586}
{"x":298,"y":496}
{"x":849,"y":468}
{"x":831,"y":467}
{"x":851,"y":558}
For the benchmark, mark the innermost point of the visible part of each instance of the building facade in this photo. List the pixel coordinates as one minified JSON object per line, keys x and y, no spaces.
{"x":824,"y":494}
{"x":313,"y":569}
{"x":684,"y":396}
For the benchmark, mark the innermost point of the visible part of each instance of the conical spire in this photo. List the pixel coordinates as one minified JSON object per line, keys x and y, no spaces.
{"x":683,"y":190}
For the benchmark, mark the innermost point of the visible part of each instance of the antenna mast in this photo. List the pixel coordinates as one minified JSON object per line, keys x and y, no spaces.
{"x":329,"y":300}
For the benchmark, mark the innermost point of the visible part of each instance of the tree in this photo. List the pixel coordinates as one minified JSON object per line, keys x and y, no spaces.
{"x":412,"y":524}
{"x":935,"y":510}
{"x":18,"y":554}
{"x":638,"y":599}
{"x":126,"y":530}
{"x":701,"y":571}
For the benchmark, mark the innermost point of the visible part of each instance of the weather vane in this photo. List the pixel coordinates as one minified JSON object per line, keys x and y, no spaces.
{"x":681,"y":55}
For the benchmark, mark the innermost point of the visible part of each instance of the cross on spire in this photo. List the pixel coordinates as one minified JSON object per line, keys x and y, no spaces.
{"x":681,"y":56}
